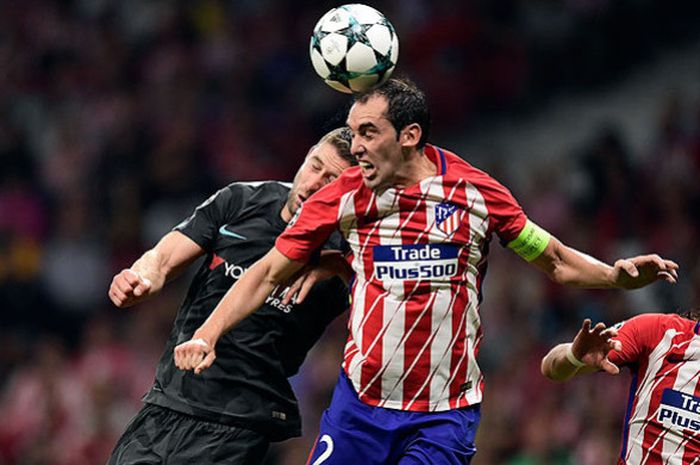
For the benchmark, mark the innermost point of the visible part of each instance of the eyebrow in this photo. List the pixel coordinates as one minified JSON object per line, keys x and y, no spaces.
{"x":365,"y":126}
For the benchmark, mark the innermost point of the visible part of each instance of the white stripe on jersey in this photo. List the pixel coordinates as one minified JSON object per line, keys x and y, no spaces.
{"x":635,"y":436}
{"x":478,"y":226}
{"x":686,"y":381}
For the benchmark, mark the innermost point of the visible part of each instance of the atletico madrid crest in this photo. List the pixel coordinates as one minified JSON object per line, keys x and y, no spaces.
{"x":448,"y":217}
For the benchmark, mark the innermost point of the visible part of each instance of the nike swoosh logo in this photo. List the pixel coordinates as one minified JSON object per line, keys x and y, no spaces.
{"x":225,"y":232}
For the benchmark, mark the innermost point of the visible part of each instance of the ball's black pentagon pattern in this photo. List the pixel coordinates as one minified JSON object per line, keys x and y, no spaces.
{"x":355,"y":32}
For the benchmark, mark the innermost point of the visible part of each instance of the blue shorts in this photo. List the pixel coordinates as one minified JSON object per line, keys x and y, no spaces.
{"x":353,"y":432}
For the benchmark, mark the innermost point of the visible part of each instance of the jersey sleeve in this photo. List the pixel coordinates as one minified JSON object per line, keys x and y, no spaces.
{"x":505,"y":213}
{"x":635,"y":335}
{"x":313,"y":223}
{"x":203,"y":224}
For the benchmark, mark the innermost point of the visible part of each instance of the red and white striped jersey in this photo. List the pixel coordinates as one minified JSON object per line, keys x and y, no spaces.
{"x":662,"y":424}
{"x":419,"y":256}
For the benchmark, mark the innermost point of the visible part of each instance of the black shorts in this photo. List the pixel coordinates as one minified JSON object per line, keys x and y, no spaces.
{"x":158,"y":435}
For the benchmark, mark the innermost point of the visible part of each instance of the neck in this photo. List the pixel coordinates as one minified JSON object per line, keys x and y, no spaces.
{"x":285,"y":214}
{"x":417,"y":167}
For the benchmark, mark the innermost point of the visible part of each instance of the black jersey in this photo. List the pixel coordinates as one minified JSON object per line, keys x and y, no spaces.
{"x":247,"y":384}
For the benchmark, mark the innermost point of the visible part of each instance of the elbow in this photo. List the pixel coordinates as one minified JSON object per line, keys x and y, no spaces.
{"x":545,"y":369}
{"x":562,"y":275}
{"x":557,"y":275}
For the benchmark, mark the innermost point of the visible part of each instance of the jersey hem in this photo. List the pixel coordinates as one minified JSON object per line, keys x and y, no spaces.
{"x":422,"y":406}
{"x":273,"y":433}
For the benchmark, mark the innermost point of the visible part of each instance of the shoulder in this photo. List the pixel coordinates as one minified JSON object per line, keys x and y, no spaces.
{"x":258,"y":190}
{"x":644,"y":323}
{"x":650,"y":328}
{"x":350,"y":179}
{"x":252,"y":187}
{"x":457,"y":168}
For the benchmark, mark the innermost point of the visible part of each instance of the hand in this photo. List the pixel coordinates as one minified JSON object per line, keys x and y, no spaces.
{"x":195,"y":354}
{"x":128,"y":288}
{"x":297,"y":291}
{"x":331,"y":263}
{"x":639,"y":271}
{"x":591,"y":346}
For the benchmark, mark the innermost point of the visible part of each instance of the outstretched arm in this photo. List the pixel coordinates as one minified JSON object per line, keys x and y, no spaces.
{"x":587,"y":353}
{"x":246,"y":296}
{"x":146,"y":277}
{"x":566,"y":265}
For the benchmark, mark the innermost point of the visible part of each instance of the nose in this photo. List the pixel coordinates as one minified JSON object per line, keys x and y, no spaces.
{"x":315,"y":182}
{"x":356,"y":147}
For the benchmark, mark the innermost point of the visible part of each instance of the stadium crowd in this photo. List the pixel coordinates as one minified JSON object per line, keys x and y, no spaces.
{"x":119,"y":117}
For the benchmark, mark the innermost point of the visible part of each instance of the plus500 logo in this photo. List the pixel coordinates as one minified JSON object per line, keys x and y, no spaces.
{"x":415,"y":262}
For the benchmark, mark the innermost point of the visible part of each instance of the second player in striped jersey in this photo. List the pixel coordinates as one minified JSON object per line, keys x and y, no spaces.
{"x":419,"y":220}
{"x":662,"y":424}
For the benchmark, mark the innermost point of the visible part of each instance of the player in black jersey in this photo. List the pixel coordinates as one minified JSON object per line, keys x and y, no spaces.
{"x":230,"y":413}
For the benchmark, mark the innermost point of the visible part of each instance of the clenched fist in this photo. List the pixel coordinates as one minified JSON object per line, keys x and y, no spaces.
{"x":128,"y":288}
{"x":195,"y":354}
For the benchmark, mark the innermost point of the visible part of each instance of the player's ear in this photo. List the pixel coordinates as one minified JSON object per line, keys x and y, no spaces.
{"x":410,"y":135}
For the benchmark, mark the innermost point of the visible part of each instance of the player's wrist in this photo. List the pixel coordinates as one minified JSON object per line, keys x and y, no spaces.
{"x":205,"y":336}
{"x":573,"y":359}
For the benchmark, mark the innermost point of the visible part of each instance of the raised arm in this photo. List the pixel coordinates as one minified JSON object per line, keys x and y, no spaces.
{"x":566,"y":265}
{"x":246,"y":296}
{"x":146,"y":277}
{"x":588,"y":352}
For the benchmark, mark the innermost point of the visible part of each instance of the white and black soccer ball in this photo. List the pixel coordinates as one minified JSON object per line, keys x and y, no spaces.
{"x":354,"y":47}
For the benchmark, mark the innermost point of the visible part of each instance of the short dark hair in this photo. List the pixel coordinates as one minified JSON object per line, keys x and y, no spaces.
{"x":406,"y":105}
{"x":341,"y":139}
{"x":691,"y":314}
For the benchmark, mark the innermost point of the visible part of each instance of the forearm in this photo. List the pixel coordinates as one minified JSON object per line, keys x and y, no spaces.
{"x":247,"y":295}
{"x":565,"y":265}
{"x":164,"y":262}
{"x":556,"y":366}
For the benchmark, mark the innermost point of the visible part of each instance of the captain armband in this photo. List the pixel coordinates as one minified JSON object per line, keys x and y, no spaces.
{"x":531,"y":241}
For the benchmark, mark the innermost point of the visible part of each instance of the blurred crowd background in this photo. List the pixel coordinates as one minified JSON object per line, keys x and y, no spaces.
{"x":118,"y":117}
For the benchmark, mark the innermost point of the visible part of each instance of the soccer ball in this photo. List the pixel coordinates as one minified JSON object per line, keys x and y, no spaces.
{"x":354,"y":47}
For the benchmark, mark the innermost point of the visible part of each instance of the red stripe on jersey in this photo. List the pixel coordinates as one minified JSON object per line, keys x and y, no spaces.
{"x":372,"y":332}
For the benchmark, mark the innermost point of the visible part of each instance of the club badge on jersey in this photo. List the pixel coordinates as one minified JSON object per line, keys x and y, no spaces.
{"x":448,"y":217}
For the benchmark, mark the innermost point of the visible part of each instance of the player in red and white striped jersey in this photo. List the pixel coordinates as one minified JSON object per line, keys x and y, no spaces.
{"x":662,"y":424}
{"x":419,"y":220}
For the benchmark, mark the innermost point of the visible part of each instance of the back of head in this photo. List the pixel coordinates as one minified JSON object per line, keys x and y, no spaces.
{"x":341,"y":139}
{"x":406,"y":105}
{"x":691,"y":314}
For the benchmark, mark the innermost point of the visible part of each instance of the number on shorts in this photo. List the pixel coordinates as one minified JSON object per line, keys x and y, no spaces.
{"x":326,"y":453}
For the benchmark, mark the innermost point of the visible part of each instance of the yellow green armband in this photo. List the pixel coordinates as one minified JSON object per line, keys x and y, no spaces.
{"x":531,"y":241}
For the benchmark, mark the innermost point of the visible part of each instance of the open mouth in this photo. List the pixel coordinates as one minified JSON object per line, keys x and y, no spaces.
{"x":368,"y":169}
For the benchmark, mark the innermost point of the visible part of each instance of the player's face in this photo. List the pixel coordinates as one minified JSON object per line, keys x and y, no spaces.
{"x":375,"y":143}
{"x":321,"y":166}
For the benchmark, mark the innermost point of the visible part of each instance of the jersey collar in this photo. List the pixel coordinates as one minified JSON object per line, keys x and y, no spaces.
{"x":437,"y":156}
